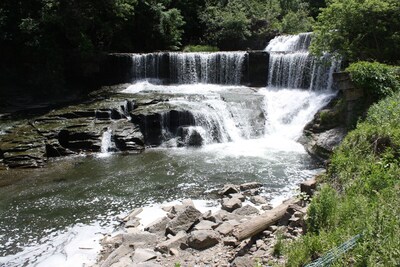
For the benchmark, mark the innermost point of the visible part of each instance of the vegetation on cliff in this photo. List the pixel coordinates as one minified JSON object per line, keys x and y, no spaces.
{"x":361,"y":189}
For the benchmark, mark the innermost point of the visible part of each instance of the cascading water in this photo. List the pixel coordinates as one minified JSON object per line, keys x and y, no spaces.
{"x":215,"y":68}
{"x":190,"y":68}
{"x":107,"y":145}
{"x":292,"y":66}
{"x":146,"y":66}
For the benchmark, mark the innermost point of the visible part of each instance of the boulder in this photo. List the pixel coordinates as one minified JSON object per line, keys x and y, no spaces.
{"x":229,"y":189}
{"x":258,"y":200}
{"x":238,"y":195}
{"x":174,"y":242}
{"x":204,"y":225}
{"x":251,"y":185}
{"x":203,"y":239}
{"x":140,"y":240}
{"x":246,"y":210}
{"x":158,"y":226}
{"x":184,"y":220}
{"x":230,"y":204}
{"x":309,"y":186}
{"x":116,"y":255}
{"x":225,"y":228}
{"x":133,"y":214}
{"x":143,"y":255}
{"x":245,"y":261}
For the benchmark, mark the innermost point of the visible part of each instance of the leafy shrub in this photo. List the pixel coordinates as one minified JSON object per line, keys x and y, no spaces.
{"x":378,"y":80}
{"x":321,"y":209}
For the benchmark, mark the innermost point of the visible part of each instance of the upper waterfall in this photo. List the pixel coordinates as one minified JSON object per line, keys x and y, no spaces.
{"x":292,"y":66}
{"x":190,"y":68}
{"x":290,"y":43}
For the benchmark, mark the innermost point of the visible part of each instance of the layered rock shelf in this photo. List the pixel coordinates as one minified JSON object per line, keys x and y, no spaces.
{"x":134,"y":124}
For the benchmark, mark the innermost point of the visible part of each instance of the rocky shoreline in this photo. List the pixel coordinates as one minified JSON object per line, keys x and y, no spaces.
{"x":245,"y":231}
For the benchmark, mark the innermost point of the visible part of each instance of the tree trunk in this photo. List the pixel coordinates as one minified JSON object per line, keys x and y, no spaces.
{"x":262,"y":222}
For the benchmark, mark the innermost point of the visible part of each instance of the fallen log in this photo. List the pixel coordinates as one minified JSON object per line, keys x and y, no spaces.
{"x":263,"y":221}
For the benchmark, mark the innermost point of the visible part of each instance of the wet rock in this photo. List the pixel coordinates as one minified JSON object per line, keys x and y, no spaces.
{"x":258,"y":200}
{"x":153,"y":120}
{"x":246,"y":210}
{"x":174,"y":242}
{"x":229,"y":189}
{"x":321,"y":145}
{"x":251,"y":185}
{"x":23,"y":147}
{"x":183,"y":220}
{"x":127,"y":136}
{"x":189,"y":136}
{"x":230,"y":204}
{"x":203,"y":239}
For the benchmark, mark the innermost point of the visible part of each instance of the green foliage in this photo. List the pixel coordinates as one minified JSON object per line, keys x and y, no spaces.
{"x":200,"y":48}
{"x":365,"y":170}
{"x":321,"y":208}
{"x":170,"y":28}
{"x":278,"y":246}
{"x":297,"y":21}
{"x":226,"y":24}
{"x":378,"y":80}
{"x":359,"y":30}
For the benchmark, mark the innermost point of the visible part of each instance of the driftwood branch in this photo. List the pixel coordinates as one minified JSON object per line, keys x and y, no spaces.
{"x":262,"y":222}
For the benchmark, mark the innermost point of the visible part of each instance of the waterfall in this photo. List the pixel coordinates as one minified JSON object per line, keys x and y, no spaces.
{"x":189,"y":68}
{"x":146,"y":66}
{"x":292,"y":66}
{"x":107,"y":145}
{"x":215,"y":68}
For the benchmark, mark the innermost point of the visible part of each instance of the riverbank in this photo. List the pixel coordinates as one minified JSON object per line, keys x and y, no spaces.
{"x":219,"y":236}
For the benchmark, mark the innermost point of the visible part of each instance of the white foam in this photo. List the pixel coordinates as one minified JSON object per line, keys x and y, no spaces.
{"x":189,"y":89}
{"x":76,"y":246}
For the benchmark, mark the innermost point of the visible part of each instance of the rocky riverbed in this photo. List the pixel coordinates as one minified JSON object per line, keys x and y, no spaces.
{"x":244,"y":231}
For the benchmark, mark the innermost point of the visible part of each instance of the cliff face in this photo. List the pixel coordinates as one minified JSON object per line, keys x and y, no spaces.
{"x":331,"y":124}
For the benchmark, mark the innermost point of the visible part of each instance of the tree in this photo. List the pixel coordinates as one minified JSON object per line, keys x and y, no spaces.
{"x":359,"y":30}
{"x":297,"y":21}
{"x":230,"y":23}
